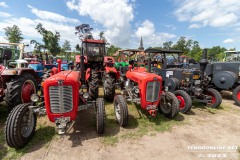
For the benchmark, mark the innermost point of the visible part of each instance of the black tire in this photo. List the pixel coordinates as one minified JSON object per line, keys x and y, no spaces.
{"x":46,"y":75}
{"x":121,"y":110}
{"x":236,"y":95}
{"x":169,"y":109}
{"x":185,"y":100}
{"x":217,"y":98}
{"x":14,"y":93}
{"x":100,"y":115}
{"x":14,"y":130}
{"x":109,"y":87}
{"x":93,"y":83}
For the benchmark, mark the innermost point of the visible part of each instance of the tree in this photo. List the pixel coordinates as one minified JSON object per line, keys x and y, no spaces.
{"x":112,"y":49}
{"x":66,"y":46}
{"x":196,"y":51}
{"x":78,"y":48}
{"x":50,"y":40}
{"x":216,"y":52}
{"x":13,"y":34}
{"x":101,"y":35}
{"x":183,"y":44}
{"x":84,"y":31}
{"x":167,"y":45}
{"x":37,"y":46}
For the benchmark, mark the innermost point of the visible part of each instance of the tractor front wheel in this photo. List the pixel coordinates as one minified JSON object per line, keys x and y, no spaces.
{"x":100,"y":115}
{"x":169,"y":105}
{"x":121,"y":110}
{"x":216,"y":98}
{"x":20,"y":126}
{"x":109,"y":87}
{"x":20,"y":89}
{"x":236,"y":95}
{"x":185,"y":101}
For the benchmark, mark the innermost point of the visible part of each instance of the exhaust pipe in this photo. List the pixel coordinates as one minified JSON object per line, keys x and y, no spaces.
{"x":203,"y":64}
{"x":82,"y":69}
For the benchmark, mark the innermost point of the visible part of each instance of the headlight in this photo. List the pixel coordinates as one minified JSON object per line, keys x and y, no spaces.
{"x":166,"y":88}
{"x":85,"y":95}
{"x":136,"y":90}
{"x":34,"y":98}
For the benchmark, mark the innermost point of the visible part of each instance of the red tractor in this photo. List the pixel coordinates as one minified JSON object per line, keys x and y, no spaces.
{"x":64,"y":94}
{"x":97,"y":66}
{"x":145,"y":89}
{"x":17,"y":82}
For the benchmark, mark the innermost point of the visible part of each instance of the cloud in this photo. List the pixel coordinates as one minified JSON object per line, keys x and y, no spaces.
{"x":173,"y":27}
{"x":46,"y":15}
{"x":114,"y":15}
{"x":194,"y":26}
{"x":3,"y":4}
{"x":215,"y":13}
{"x":150,"y":37}
{"x":4,"y":14}
{"x":228,"y":41}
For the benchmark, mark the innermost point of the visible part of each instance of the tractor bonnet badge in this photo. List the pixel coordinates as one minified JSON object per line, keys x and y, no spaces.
{"x":60,"y":82}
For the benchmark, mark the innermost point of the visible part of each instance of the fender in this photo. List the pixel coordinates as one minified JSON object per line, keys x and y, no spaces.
{"x":88,"y":72}
{"x":110,"y":70}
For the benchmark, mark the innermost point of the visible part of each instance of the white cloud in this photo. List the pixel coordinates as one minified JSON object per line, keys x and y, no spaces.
{"x":173,"y":27}
{"x":46,"y":15}
{"x":4,"y":14}
{"x":150,"y":37}
{"x":215,"y":13}
{"x":3,"y":4}
{"x":194,"y":26}
{"x":228,"y":41}
{"x":114,"y":15}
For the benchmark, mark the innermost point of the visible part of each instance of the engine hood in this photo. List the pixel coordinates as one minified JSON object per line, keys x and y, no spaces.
{"x":142,"y":76}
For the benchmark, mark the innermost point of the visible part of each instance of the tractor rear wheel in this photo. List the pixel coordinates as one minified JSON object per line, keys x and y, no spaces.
{"x":100,"y":115}
{"x":20,"y":89}
{"x":121,"y":110}
{"x":93,"y":84}
{"x":169,"y":105}
{"x":109,"y":87}
{"x":216,"y":98}
{"x":20,"y":126}
{"x":236,"y":95}
{"x":185,"y":101}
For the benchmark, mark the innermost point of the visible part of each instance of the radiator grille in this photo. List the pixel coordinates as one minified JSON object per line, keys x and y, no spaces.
{"x":153,"y":89}
{"x":61,"y":100}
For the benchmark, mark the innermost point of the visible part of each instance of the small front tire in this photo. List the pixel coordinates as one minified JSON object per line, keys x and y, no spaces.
{"x":185,"y":101}
{"x":236,"y":95}
{"x":20,"y":126}
{"x":121,"y":110}
{"x":216,"y":98}
{"x":100,"y":115}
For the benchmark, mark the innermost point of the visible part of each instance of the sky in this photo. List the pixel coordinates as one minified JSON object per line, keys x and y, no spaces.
{"x":124,"y":22}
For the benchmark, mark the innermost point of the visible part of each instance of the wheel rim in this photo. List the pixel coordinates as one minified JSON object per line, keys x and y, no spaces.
{"x":181,"y":102}
{"x":166,"y":108}
{"x":117,"y":112}
{"x":213,"y":98}
{"x":28,"y":89}
{"x":27,"y":124}
{"x":238,"y":96}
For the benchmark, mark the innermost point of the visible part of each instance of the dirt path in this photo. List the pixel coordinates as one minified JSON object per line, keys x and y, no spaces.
{"x":204,"y":129}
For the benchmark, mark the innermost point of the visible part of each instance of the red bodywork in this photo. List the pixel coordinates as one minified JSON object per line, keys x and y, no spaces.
{"x":69,"y":78}
{"x":142,"y":78}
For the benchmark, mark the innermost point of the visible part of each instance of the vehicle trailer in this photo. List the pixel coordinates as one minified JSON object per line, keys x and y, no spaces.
{"x":191,"y":80}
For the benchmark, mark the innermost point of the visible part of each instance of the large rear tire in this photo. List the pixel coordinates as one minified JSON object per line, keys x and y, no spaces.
{"x":93,"y":83}
{"x":121,"y":110}
{"x":236,"y":95}
{"x":185,"y":101}
{"x":20,"y":126}
{"x":100,"y":115}
{"x":109,"y":87}
{"x":216,"y":98}
{"x":169,"y":105}
{"x":20,"y":89}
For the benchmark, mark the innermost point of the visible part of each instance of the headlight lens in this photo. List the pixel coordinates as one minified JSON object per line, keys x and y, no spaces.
{"x":85,"y":95}
{"x":137,"y":90}
{"x":34,"y":98}
{"x":166,"y":88}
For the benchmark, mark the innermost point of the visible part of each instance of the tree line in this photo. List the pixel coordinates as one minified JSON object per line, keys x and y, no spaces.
{"x":50,"y":43}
